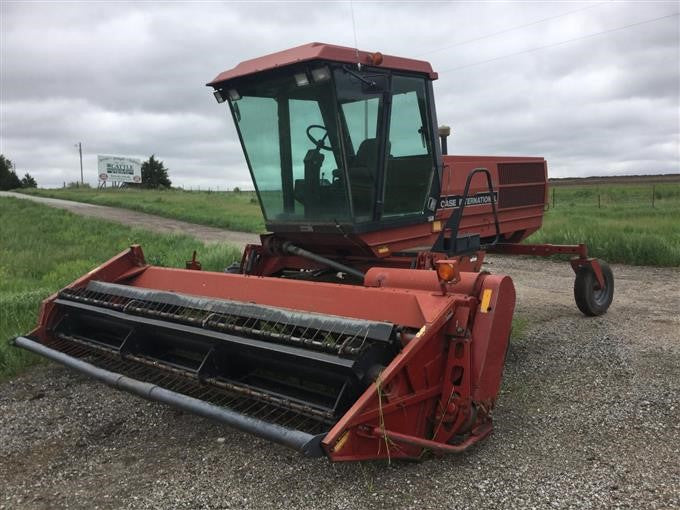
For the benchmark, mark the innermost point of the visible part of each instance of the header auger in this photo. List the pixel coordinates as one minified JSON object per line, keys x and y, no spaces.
{"x":362,"y":326}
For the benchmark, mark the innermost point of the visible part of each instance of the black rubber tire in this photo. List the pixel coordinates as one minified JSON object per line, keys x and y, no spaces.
{"x":234,"y":268}
{"x":591,"y":300}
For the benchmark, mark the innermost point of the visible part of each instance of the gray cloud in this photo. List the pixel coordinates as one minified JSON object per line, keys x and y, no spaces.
{"x":128,"y":78}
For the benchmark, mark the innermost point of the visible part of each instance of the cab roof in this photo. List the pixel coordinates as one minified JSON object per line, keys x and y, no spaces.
{"x":321,"y":51}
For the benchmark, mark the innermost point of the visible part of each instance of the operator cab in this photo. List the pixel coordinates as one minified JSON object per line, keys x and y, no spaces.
{"x":333,"y":144}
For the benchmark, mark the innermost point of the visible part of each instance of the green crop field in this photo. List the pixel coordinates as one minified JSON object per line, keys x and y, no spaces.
{"x":43,"y":249}
{"x":617,"y":220}
{"x":229,"y":210}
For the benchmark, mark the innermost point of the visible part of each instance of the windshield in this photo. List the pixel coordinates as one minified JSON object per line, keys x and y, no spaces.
{"x":322,"y":148}
{"x":288,"y":127}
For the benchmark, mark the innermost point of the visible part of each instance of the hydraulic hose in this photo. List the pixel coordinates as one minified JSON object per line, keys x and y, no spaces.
{"x":296,"y":250}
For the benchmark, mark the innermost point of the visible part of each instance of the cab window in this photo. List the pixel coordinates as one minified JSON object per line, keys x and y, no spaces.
{"x":410,"y":161}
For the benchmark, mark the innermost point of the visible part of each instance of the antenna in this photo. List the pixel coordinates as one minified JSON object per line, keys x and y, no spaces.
{"x":354,"y":29}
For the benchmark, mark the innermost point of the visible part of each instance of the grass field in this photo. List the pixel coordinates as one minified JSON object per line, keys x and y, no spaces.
{"x":43,"y":249}
{"x":616,"y":220}
{"x":232,"y":211}
{"x":624,"y":227}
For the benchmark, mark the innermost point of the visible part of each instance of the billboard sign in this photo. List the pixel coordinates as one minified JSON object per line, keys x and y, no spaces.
{"x":119,"y":169}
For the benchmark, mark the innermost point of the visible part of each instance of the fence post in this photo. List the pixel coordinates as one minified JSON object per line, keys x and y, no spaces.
{"x":598,"y":201}
{"x":553,"y":193}
{"x":653,"y":193}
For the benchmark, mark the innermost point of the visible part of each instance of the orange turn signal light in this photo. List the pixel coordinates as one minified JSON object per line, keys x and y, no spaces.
{"x":447,"y":271}
{"x":376,"y":58}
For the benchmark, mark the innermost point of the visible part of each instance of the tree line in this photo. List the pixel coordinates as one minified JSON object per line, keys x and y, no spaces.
{"x":9,"y":178}
{"x":154,"y":175}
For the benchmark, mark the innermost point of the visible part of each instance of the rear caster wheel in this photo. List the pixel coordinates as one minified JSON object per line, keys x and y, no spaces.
{"x":234,"y":268}
{"x":590,"y":298}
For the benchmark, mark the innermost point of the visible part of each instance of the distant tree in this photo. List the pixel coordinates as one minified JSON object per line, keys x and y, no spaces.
{"x":5,"y":165}
{"x":8,"y":177}
{"x":237,"y":189}
{"x":28,"y":181}
{"x":154,"y":174}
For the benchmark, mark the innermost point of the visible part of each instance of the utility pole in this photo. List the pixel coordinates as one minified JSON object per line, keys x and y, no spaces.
{"x":80,"y":151}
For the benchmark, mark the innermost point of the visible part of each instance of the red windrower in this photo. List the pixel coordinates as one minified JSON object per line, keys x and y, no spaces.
{"x":362,"y":326}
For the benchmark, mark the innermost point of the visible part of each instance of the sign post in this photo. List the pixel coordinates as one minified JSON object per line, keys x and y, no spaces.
{"x":119,"y":169}
{"x":80,"y":151}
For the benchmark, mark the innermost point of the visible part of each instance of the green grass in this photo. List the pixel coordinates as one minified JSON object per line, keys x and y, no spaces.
{"x":520,"y":325}
{"x":624,"y":227}
{"x":43,"y":249}
{"x":229,"y":210}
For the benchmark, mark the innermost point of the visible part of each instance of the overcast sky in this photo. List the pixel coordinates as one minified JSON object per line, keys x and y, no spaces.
{"x":127,"y":78}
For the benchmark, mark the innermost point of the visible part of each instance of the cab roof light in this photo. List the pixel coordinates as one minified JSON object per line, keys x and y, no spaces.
{"x":376,"y":58}
{"x":321,"y":74}
{"x":301,"y":79}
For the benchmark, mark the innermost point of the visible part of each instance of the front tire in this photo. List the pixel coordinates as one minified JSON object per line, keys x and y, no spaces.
{"x":590,"y":298}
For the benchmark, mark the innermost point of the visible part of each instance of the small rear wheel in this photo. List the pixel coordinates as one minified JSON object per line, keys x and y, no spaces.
{"x":590,"y":298}
{"x":233,"y":268}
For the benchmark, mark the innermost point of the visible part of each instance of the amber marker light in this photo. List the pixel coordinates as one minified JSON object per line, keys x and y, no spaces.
{"x":376,"y":58}
{"x":447,"y":271}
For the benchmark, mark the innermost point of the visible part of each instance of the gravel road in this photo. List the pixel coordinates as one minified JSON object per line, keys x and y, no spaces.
{"x":588,"y":417}
{"x":143,"y":220}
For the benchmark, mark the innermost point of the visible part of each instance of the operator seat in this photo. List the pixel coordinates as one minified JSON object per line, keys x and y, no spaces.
{"x":362,"y":176}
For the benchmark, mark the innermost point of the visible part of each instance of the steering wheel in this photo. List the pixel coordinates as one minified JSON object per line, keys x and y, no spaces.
{"x":321,"y":142}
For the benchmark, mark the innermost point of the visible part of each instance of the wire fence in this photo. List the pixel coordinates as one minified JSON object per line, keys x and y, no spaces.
{"x":622,"y":195}
{"x":219,"y":188}
{"x":651,"y":195}
{"x":215,"y":189}
{"x":600,"y":196}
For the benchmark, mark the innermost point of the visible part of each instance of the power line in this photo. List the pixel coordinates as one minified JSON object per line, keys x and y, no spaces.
{"x":530,"y":50}
{"x":461,"y":43}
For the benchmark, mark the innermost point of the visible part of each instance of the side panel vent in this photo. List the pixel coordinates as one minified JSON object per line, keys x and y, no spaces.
{"x":519,"y":173}
{"x":521,"y":195}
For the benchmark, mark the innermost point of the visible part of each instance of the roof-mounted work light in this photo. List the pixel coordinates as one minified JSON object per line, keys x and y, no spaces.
{"x":301,"y":79}
{"x":321,"y":74}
